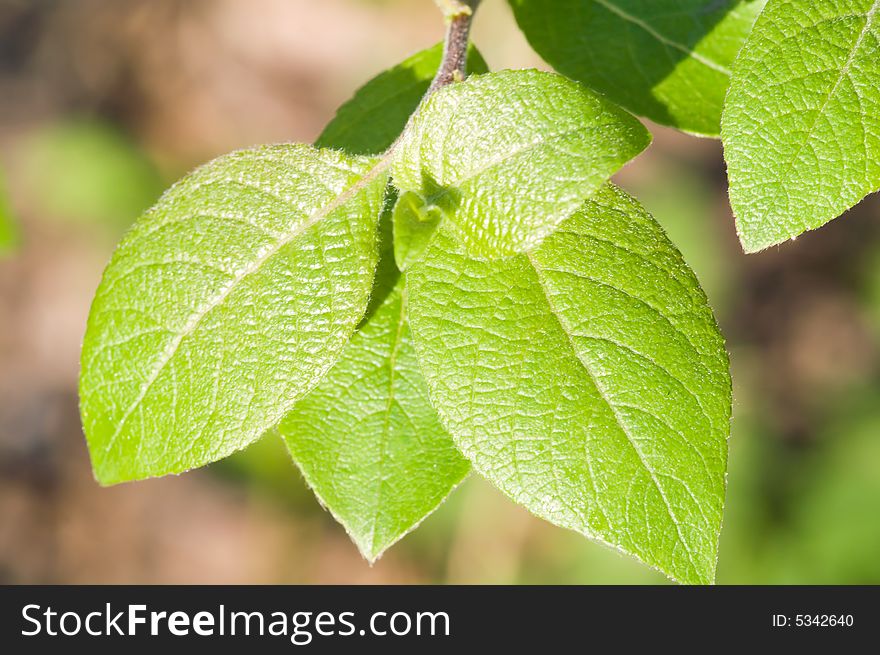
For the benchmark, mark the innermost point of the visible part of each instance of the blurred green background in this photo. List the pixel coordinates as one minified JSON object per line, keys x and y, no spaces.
{"x":103,"y":103}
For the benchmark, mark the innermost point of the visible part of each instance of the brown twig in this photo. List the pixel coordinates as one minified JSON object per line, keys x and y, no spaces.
{"x":459,"y":15}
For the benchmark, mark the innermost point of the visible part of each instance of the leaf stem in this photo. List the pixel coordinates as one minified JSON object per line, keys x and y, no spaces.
{"x":453,"y":67}
{"x":453,"y":8}
{"x":459,"y":15}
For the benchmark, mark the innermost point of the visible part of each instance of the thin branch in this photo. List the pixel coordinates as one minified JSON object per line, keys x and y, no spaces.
{"x":453,"y":8}
{"x":459,"y":15}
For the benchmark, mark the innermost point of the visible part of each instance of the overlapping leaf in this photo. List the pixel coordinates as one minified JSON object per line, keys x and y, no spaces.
{"x":375,"y":116}
{"x":227,"y":302}
{"x":414,"y":225}
{"x":508,"y":156}
{"x":668,"y":60}
{"x":587,"y":380}
{"x":368,"y":440}
{"x":802,"y":120}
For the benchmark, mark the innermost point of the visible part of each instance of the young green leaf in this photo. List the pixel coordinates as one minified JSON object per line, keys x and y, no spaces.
{"x":227,"y":302}
{"x":587,"y":380}
{"x":367,"y":439}
{"x":414,"y":224}
{"x":668,"y":60}
{"x":802,"y":120}
{"x":508,"y":156}
{"x":371,"y":121}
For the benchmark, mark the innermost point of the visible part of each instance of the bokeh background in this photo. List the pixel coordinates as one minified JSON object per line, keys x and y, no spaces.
{"x":103,"y":103}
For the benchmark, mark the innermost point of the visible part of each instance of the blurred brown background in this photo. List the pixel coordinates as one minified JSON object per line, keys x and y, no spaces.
{"x":103,"y":103}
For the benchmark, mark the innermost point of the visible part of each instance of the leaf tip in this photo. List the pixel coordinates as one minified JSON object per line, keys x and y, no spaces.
{"x":753,"y":243}
{"x":369,"y":552}
{"x":368,"y":546}
{"x":691,"y":574}
{"x":752,"y":240}
{"x":106,"y":475}
{"x":749,"y":247}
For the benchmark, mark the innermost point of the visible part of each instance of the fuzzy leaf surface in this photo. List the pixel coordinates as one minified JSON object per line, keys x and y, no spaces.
{"x":587,"y":380}
{"x":802,"y":121}
{"x":368,"y":440}
{"x":375,"y":116}
{"x":508,"y":156}
{"x":228,"y":301}
{"x":414,"y":225}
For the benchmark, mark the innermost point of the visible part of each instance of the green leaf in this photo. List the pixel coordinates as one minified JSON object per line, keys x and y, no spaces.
{"x":415,"y":223}
{"x":387,"y":272}
{"x":668,"y":60}
{"x":227,"y":302}
{"x":371,"y":121}
{"x":802,"y":120}
{"x":367,"y":439}
{"x":508,"y":156}
{"x":587,"y":380}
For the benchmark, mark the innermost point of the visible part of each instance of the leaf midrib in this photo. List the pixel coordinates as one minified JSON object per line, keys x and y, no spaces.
{"x":785,"y":177}
{"x":614,"y":9}
{"x":566,"y":329}
{"x":196,"y":317}
{"x":470,"y":176}
{"x":392,"y":375}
